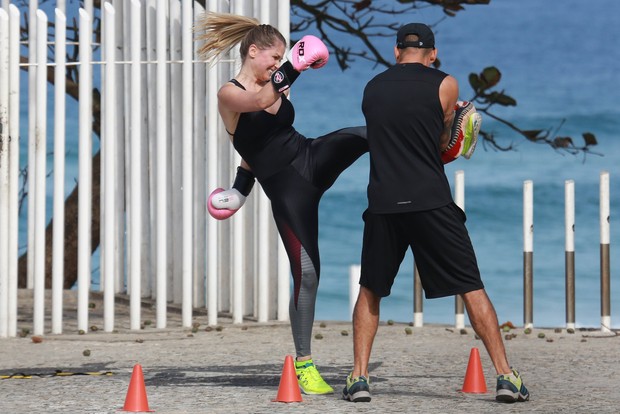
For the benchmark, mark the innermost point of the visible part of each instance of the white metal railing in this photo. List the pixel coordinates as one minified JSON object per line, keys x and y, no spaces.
{"x":161,"y":135}
{"x":162,"y":148}
{"x":4,"y":170}
{"x":528,"y":254}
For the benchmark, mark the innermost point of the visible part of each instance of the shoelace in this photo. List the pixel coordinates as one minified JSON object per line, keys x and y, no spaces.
{"x":312,"y":372}
{"x":513,"y":379}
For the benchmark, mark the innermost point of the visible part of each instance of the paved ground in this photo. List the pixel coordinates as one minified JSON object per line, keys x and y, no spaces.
{"x":237,"y":369}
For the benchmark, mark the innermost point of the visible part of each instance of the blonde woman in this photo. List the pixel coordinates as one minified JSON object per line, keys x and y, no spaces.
{"x":294,"y":171}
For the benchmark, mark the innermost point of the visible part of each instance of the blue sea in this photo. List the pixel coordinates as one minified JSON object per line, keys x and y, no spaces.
{"x":561,"y":62}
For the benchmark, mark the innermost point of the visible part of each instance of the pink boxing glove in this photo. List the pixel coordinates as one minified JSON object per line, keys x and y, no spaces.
{"x":217,"y":213}
{"x":224,"y":203}
{"x":309,"y":52}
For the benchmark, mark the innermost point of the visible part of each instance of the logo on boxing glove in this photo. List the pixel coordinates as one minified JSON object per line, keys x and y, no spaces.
{"x":300,"y":53}
{"x":301,"y":56}
{"x":278,"y":77}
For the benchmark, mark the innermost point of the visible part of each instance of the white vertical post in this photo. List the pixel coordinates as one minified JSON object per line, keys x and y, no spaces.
{"x":124,"y":31}
{"x":262,"y":223}
{"x":459,"y":200}
{"x":284,"y":269}
{"x":41,"y":162}
{"x":239,"y":264}
{"x":162,"y":164}
{"x":188,"y":185}
{"x":4,"y":173}
{"x":264,"y":226}
{"x":175,"y":153}
{"x":109,"y":168}
{"x":354,"y":286}
{"x":569,"y":226}
{"x":528,"y":252}
{"x":200,"y":177}
{"x":33,"y":5}
{"x":88,"y":6}
{"x":605,"y":258}
{"x":242,"y":225}
{"x":14,"y":96}
{"x":85,"y":168}
{"x":240,"y":230}
{"x":418,"y":300}
{"x":147,"y":173}
{"x":58,"y":236}
{"x":135,"y":247}
{"x":103,"y":153}
{"x":121,"y":102}
{"x":150,"y":138}
{"x":212,"y":167}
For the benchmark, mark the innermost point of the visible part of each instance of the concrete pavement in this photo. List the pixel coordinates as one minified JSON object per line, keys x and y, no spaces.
{"x":237,"y":369}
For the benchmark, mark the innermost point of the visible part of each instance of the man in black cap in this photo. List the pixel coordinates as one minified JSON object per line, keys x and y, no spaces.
{"x":410,"y":111}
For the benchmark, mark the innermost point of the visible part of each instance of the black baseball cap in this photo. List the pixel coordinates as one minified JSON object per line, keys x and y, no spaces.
{"x":426,"y":39}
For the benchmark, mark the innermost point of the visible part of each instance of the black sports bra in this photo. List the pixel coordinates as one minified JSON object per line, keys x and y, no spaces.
{"x":261,"y":123}
{"x":267,"y":142}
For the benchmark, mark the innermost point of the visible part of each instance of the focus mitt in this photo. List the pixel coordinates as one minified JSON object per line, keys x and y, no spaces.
{"x":464,"y":132}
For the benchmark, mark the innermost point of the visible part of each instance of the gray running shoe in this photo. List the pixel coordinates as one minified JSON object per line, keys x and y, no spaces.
{"x":510,"y":388}
{"x":357,"y":389}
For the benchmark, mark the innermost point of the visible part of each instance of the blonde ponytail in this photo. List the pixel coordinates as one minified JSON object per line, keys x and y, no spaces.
{"x":220,"y":32}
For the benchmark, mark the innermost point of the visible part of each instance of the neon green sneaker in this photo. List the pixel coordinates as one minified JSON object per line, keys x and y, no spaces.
{"x":309,"y":379}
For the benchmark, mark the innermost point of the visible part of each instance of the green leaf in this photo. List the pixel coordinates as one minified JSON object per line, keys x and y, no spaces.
{"x":589,"y":138}
{"x":501,"y":99}
{"x":490,"y":76}
{"x":475,"y":81}
{"x":563,"y":142}
{"x":533,"y":134}
{"x":506,"y":100}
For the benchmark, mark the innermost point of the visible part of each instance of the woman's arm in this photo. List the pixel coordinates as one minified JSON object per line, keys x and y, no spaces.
{"x":235,"y":99}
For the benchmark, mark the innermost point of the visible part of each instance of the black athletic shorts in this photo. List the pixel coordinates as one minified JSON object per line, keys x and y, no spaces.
{"x":441,"y":248}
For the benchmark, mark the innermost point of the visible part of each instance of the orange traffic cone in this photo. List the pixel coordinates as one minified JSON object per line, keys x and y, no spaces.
{"x":474,"y":377}
{"x":288,"y":391}
{"x":136,"y":394}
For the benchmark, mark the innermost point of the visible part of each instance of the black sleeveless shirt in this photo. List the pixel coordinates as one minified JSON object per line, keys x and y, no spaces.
{"x":267,"y":142}
{"x":405,"y":120}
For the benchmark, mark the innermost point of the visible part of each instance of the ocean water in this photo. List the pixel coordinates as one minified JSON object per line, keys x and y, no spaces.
{"x":560,"y":62}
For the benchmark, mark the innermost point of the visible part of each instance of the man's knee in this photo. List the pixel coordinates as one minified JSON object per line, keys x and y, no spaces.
{"x":368,"y":299}
{"x":475,"y":295}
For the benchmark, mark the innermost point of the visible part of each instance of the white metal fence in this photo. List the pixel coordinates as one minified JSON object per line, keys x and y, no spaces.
{"x":528,"y":257}
{"x":162,"y":148}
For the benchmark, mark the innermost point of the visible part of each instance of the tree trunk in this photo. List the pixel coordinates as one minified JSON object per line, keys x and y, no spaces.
{"x":71,"y":235}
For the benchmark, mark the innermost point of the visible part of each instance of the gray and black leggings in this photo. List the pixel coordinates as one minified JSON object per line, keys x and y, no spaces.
{"x":295,"y":193}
